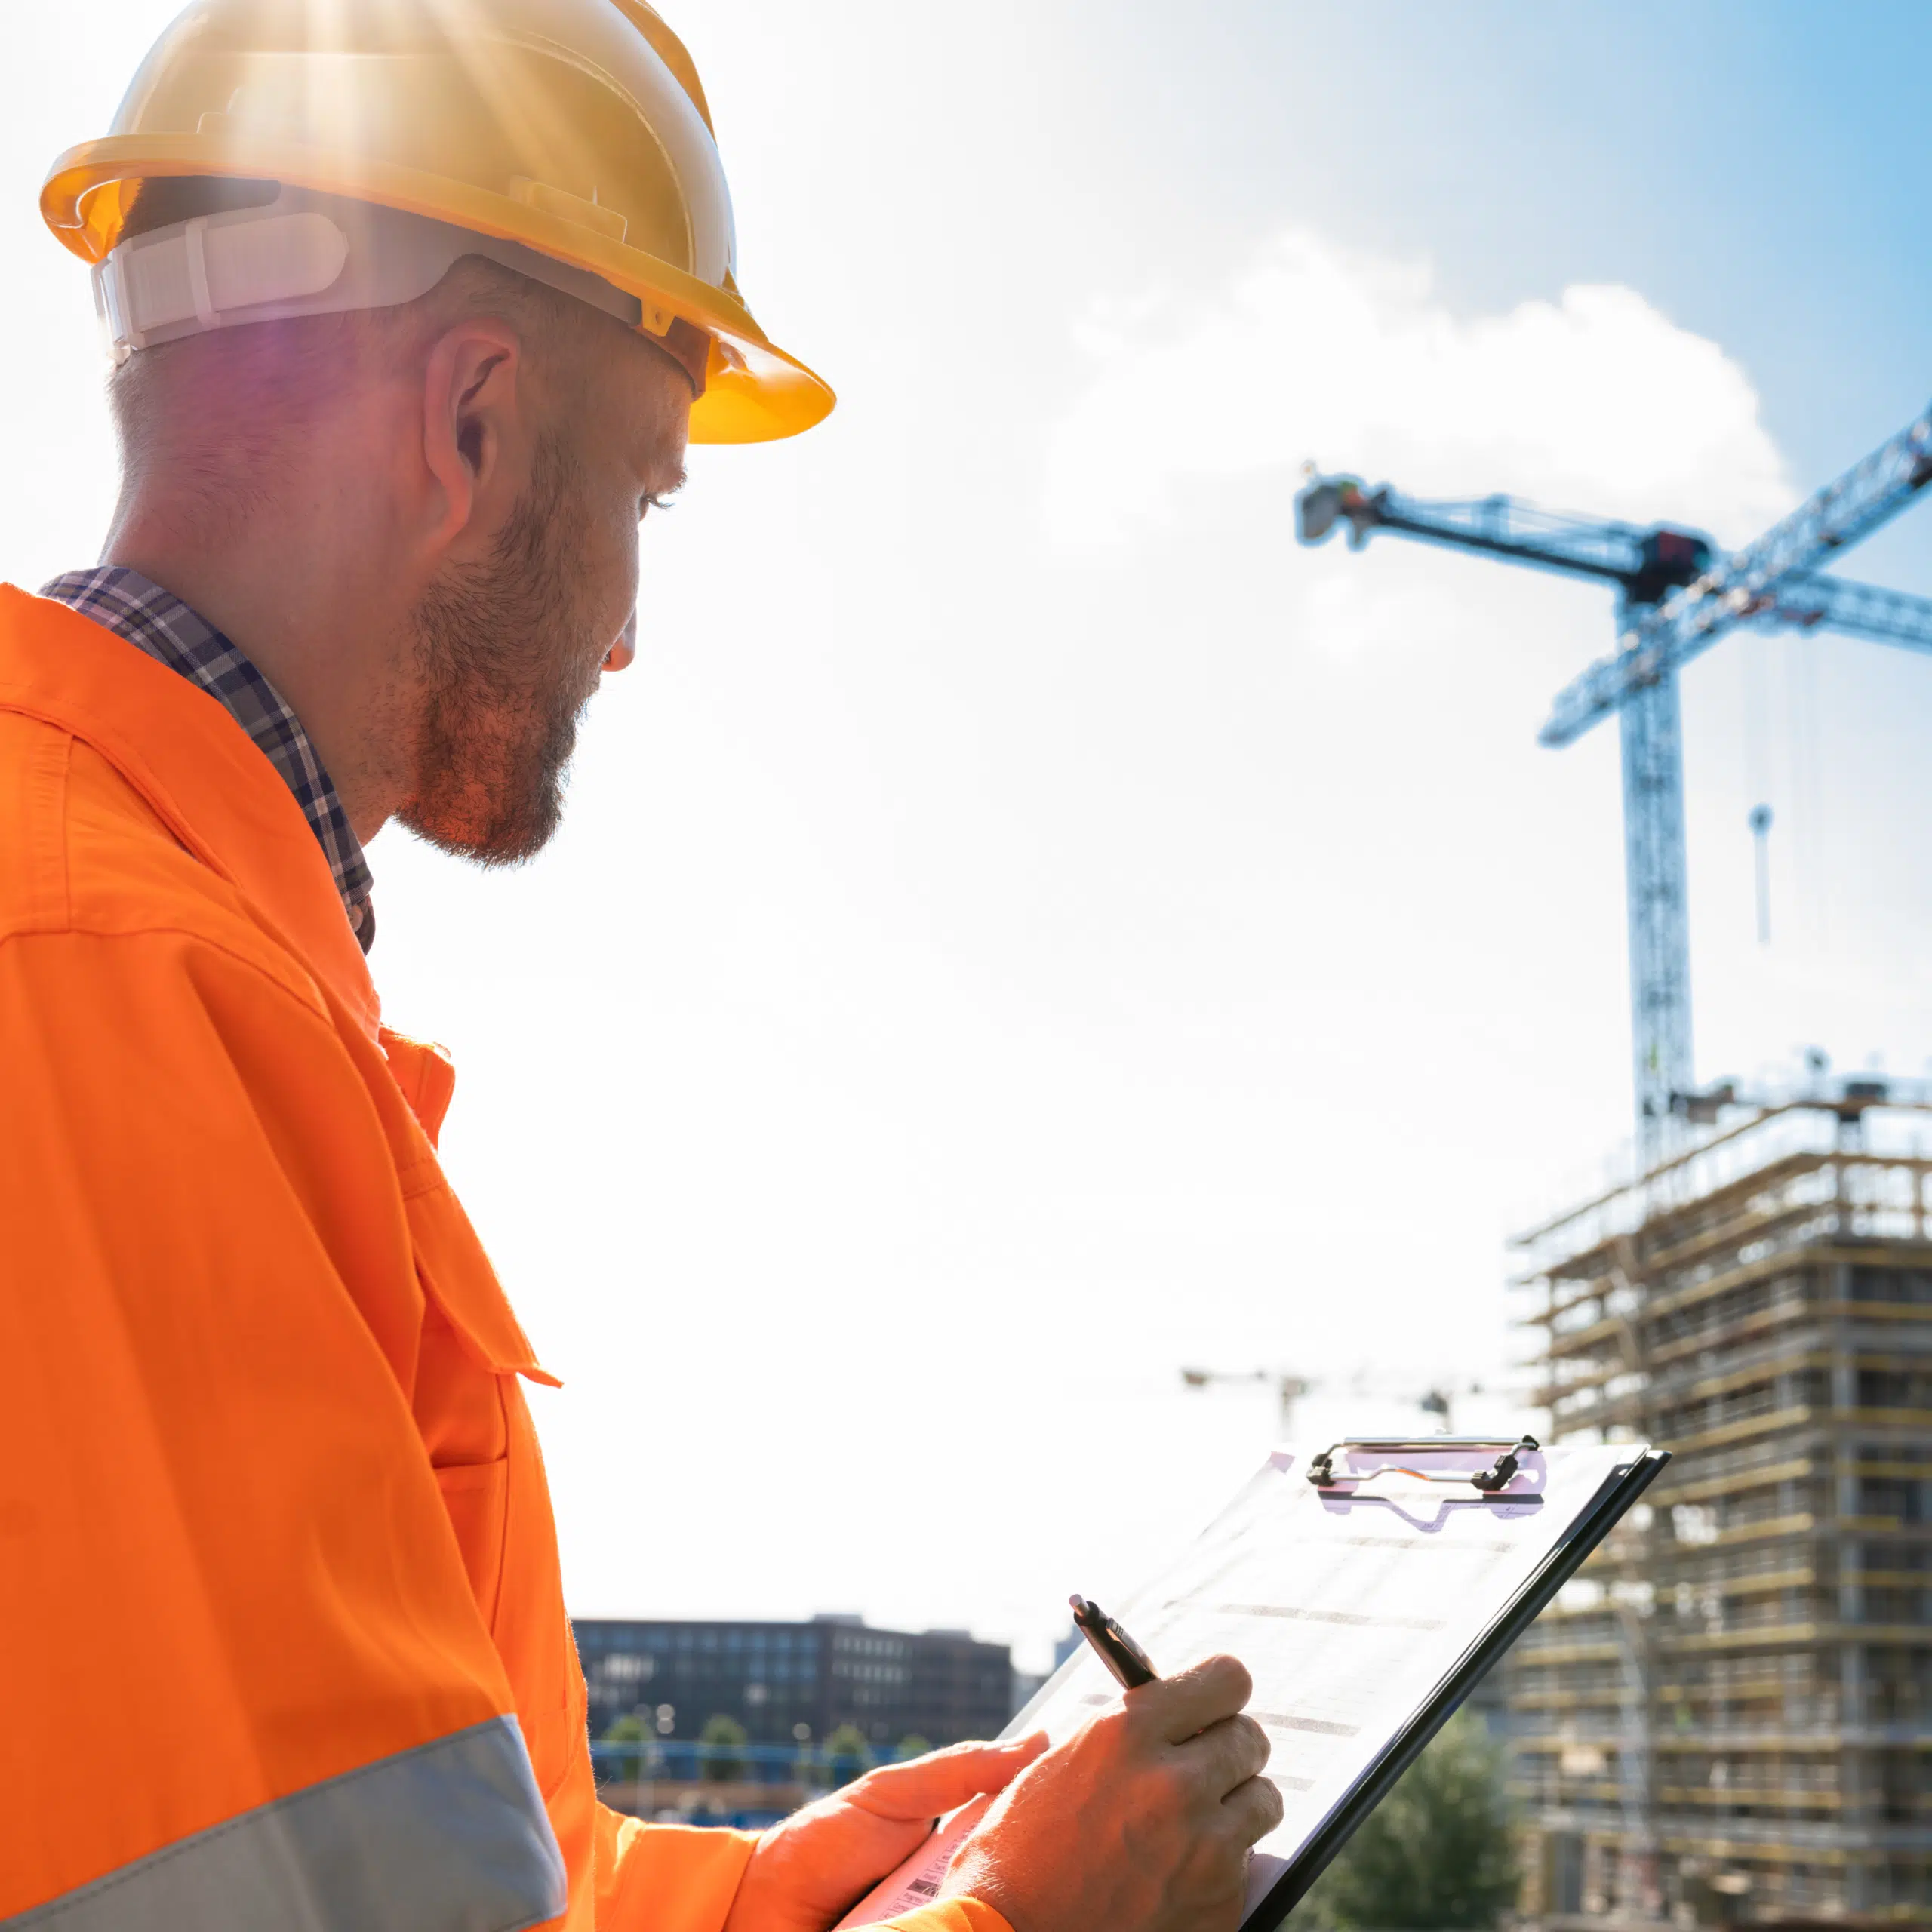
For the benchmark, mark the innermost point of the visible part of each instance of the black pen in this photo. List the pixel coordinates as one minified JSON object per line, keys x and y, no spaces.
{"x":1115,"y":1649}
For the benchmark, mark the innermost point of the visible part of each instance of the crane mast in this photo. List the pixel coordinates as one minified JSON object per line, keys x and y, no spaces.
{"x":1675,"y":597}
{"x":1656,"y":885}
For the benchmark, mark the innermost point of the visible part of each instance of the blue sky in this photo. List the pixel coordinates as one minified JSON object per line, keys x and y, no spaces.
{"x":1023,"y":926}
{"x":1754,"y":166}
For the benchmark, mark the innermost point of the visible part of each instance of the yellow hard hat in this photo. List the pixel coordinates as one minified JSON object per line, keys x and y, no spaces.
{"x":569,"y":138}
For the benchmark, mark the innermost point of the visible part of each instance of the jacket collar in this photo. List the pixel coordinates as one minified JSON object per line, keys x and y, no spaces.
{"x":196,"y":768}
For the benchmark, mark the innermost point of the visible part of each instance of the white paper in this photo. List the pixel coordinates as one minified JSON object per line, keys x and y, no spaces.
{"x":1350,"y":1610}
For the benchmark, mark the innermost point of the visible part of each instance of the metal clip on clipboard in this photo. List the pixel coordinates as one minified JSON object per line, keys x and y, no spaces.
{"x":1491,"y":1479}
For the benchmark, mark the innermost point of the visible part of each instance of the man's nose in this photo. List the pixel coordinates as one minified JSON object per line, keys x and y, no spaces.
{"x":620,"y":653}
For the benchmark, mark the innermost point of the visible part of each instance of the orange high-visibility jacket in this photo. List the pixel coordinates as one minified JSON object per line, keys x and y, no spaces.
{"x":282,"y":1635}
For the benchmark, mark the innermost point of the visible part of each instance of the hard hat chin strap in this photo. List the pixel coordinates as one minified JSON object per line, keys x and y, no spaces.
{"x":312,"y":255}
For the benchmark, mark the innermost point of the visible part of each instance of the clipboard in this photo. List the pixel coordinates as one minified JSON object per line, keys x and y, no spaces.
{"x":1617,"y":1496}
{"x":1369,"y":1586}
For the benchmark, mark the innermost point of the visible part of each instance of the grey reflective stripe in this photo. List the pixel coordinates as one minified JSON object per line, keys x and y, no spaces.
{"x":451,"y":1837}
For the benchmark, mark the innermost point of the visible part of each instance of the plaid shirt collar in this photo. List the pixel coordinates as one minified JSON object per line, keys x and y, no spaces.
{"x":156,"y":621}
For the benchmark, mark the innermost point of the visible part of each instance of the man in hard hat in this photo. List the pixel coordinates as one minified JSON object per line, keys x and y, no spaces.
{"x":415,"y":304}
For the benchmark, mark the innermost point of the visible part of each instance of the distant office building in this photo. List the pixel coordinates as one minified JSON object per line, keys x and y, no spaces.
{"x":786,"y":1682}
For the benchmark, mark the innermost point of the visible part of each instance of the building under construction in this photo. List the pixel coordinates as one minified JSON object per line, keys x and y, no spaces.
{"x":1728,"y":1718}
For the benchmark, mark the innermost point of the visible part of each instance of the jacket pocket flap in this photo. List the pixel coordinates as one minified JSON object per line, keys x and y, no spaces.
{"x":454,"y":1269}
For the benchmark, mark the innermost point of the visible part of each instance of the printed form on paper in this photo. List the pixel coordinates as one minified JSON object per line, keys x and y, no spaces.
{"x":1350,"y":1607}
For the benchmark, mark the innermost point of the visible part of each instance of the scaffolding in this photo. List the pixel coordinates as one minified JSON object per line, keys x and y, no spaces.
{"x":1727,"y":1718}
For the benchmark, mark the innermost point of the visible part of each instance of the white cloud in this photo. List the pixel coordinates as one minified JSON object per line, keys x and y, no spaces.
{"x":1595,"y":401}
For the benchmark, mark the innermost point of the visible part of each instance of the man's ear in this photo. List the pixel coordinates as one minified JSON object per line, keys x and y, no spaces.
{"x":473,"y":404}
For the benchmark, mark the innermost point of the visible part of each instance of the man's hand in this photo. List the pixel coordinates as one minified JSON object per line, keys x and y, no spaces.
{"x":1139,"y":1822}
{"x":810,"y":1869}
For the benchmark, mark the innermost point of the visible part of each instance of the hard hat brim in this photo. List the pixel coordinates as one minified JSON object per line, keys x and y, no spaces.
{"x":759,"y":394}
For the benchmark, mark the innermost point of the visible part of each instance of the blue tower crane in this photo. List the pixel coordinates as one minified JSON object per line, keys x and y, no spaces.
{"x":1676,"y":595}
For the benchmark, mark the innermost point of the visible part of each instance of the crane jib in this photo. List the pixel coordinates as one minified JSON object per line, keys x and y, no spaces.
{"x":1675,"y":602}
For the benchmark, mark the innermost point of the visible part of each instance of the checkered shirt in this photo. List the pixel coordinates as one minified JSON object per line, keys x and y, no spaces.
{"x":157,"y":621}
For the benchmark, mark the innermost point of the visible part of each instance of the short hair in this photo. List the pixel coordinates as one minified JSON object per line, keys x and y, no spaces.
{"x":219,"y":408}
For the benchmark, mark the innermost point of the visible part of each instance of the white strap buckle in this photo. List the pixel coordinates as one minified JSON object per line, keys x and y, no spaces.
{"x":205,"y":270}
{"x":193,"y":236}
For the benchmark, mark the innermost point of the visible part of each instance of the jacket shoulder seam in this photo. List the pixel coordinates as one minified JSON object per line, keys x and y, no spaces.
{"x":49,"y":896}
{"x":305,"y":996}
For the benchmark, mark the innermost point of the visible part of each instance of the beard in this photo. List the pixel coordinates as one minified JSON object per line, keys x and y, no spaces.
{"x":509,"y":660}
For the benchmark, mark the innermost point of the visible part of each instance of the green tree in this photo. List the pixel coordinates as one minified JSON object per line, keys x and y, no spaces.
{"x":913,"y":1746}
{"x":846,"y":1754}
{"x":628,"y":1729}
{"x":724,"y":1738}
{"x":1437,"y":1852}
